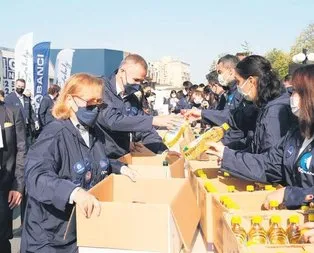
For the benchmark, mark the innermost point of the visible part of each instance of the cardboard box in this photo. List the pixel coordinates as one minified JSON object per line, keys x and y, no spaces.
{"x":152,"y":215}
{"x":231,"y":244}
{"x":152,"y":166}
{"x":211,"y":217}
{"x":247,"y":202}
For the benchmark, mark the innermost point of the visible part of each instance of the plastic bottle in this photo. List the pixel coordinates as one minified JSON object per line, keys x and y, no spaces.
{"x":210,"y":187}
{"x":231,"y":188}
{"x":268,"y":187}
{"x":250,"y":188}
{"x":257,"y":234}
{"x":174,"y":135}
{"x":293,"y":232}
{"x":274,"y":205}
{"x":198,"y":146}
{"x":238,"y":230}
{"x":276,"y":234}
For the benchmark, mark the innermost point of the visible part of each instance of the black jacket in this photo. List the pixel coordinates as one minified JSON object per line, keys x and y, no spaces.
{"x":12,"y":155}
{"x":27,"y":110}
{"x":44,"y":113}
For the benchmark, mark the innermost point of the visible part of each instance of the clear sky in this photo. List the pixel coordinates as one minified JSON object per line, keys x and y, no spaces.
{"x":193,"y":31}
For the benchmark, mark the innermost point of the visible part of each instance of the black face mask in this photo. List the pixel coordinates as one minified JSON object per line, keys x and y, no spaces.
{"x":129,"y":89}
{"x":19,"y":90}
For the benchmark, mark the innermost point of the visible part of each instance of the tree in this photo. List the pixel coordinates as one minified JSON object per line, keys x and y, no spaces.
{"x":246,"y":48}
{"x":280,"y":61}
{"x":304,"y":41}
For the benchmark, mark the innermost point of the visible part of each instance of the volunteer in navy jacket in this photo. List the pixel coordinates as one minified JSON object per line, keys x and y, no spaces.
{"x":226,"y":77}
{"x":123,"y":118}
{"x":46,"y":104}
{"x":258,"y":83}
{"x":290,"y":161}
{"x":67,"y":159}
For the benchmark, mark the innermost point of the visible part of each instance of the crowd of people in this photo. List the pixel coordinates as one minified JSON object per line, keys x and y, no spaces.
{"x":50,"y":159}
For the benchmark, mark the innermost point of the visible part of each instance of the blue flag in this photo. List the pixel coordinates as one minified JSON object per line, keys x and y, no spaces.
{"x":41,"y":53}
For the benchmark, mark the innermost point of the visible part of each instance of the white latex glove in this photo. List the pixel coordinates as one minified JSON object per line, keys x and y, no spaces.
{"x":130,"y":173}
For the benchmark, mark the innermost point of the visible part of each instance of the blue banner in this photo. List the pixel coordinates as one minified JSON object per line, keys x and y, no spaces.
{"x":41,"y":53}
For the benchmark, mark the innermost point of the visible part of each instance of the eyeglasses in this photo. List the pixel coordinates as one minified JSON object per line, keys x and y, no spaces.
{"x":92,"y":103}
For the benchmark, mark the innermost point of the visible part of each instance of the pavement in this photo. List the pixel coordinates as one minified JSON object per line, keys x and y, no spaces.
{"x":16,"y":241}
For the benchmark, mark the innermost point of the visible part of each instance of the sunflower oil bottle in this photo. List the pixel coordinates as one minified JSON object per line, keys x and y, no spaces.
{"x":198,"y":146}
{"x":257,"y":234}
{"x":276,"y":234}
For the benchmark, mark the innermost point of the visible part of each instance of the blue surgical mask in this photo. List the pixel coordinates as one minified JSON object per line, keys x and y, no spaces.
{"x":87,"y":116}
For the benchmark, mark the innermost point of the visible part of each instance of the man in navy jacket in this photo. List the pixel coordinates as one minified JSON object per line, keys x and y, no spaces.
{"x":123,"y":120}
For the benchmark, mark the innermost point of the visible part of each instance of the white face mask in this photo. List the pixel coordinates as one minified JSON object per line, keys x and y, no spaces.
{"x":243,"y":93}
{"x":198,"y":100}
{"x":295,"y":104}
{"x":223,"y":80}
{"x":173,"y":95}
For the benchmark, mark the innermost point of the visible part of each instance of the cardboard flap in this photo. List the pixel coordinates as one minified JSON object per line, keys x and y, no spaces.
{"x":126,"y":159}
{"x":177,"y":168}
{"x":186,"y":214}
{"x":188,"y":135}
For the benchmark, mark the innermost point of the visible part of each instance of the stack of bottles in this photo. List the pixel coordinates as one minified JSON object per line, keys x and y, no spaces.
{"x":198,"y":146}
{"x":174,"y":135}
{"x":275,"y":234}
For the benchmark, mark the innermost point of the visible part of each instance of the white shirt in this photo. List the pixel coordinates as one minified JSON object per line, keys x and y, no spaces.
{"x":83,"y":131}
{"x":20,"y":97}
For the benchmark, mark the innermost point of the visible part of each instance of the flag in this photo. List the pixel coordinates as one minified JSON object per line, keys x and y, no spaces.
{"x":63,"y":66}
{"x":1,"y":72}
{"x":24,"y":60}
{"x":41,"y":53}
{"x":8,"y":77}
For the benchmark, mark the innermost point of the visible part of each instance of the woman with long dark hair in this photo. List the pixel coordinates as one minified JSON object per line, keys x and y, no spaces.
{"x":289,"y":162}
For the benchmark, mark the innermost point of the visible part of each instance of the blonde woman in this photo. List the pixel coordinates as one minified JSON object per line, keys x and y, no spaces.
{"x":67,"y":159}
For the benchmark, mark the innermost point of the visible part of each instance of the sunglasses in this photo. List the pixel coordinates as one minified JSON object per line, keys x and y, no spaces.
{"x":92,"y":103}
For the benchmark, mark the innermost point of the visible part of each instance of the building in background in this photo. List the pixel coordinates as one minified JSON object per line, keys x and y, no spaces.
{"x":99,"y":62}
{"x":168,"y":72}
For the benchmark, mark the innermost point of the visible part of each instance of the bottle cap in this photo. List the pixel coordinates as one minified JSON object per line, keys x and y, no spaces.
{"x":294,"y":219}
{"x":226,"y":174}
{"x":185,"y":149}
{"x":250,"y":188}
{"x":223,"y":198}
{"x":311,"y":217}
{"x":275,"y":219}
{"x":225,"y":126}
{"x":257,"y":219}
{"x":305,"y":208}
{"x":165,"y":163}
{"x":236,"y":220}
{"x":268,"y":187}
{"x":273,"y":203}
{"x":231,"y":188}
{"x":200,"y":172}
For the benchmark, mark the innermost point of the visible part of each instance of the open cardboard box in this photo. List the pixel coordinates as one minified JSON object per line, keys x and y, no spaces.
{"x":152,"y":166}
{"x":151,"y":215}
{"x":247,"y":202}
{"x":231,"y":244}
